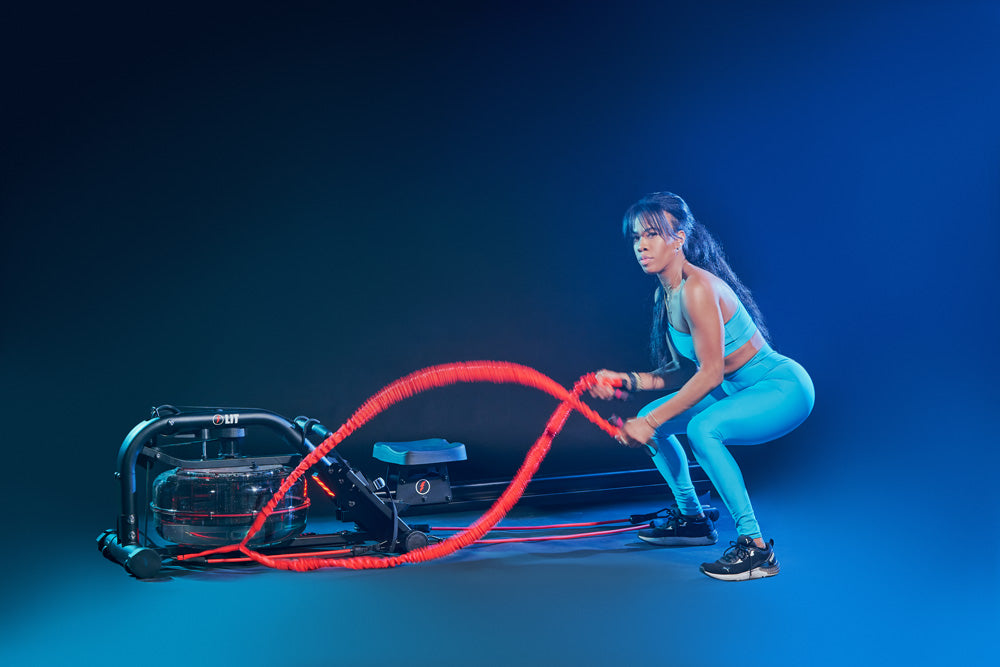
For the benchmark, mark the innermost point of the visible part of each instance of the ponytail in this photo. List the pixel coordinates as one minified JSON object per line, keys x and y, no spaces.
{"x":702,"y":250}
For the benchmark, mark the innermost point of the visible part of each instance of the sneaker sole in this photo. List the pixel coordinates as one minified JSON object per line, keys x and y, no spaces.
{"x":755,"y":573}
{"x":680,"y":541}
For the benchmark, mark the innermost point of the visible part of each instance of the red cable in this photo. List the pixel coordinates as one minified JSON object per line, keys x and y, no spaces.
{"x":323,"y":486}
{"x":548,"y":538}
{"x":555,"y":525}
{"x":417,"y":382}
{"x":336,"y":552}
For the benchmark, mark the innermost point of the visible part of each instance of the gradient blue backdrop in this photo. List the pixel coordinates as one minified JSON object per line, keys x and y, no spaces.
{"x":289,"y":207}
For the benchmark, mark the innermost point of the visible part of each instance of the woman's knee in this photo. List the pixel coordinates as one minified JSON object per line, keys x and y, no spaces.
{"x":703,"y":435}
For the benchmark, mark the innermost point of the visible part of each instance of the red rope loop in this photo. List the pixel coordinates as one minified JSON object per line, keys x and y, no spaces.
{"x":498,"y":372}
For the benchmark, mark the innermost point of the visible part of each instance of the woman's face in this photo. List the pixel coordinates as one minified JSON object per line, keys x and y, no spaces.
{"x":653,"y":250}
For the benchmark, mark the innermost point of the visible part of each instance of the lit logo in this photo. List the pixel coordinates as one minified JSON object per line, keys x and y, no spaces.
{"x":422,"y":487}
{"x":219,"y":420}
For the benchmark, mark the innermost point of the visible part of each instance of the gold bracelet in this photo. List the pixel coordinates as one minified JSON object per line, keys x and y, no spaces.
{"x":655,"y":424}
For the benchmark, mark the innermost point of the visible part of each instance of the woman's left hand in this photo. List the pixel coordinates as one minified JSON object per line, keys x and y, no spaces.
{"x":635,"y":433}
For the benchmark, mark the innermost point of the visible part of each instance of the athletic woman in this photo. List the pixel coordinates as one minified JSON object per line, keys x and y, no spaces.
{"x":728,"y":386}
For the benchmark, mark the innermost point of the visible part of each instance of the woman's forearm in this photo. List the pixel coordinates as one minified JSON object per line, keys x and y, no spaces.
{"x":650,"y":382}
{"x":697,"y":387}
{"x":670,"y":380}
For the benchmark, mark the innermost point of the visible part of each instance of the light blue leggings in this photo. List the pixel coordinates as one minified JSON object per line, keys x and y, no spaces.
{"x":765,"y":399}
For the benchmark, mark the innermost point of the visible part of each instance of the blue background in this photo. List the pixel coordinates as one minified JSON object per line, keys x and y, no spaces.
{"x":289,"y":207}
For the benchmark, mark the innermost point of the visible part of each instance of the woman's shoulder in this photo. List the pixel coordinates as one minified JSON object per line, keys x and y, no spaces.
{"x":699,"y":283}
{"x":701,"y":286}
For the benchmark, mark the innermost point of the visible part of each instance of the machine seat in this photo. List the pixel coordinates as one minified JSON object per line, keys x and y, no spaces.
{"x":419,"y":452}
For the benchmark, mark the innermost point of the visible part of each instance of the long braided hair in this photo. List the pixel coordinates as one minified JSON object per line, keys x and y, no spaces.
{"x":668,"y":214}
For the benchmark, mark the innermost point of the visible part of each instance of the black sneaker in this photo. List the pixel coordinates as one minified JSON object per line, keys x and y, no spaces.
{"x":744,"y":560}
{"x":678,"y":531}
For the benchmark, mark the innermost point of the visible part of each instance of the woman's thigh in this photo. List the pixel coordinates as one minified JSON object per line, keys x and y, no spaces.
{"x":760,"y":413}
{"x":679,"y":423}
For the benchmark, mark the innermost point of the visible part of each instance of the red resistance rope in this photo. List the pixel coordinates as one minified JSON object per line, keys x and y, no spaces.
{"x":498,"y":372}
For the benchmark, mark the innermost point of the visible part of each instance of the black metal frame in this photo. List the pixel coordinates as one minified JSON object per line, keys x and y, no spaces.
{"x":380,"y":527}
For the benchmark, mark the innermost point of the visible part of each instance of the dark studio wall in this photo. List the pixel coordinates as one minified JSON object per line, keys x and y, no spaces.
{"x":288,"y":207}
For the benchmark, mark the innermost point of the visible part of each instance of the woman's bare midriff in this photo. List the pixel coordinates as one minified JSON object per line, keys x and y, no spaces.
{"x":735,"y":361}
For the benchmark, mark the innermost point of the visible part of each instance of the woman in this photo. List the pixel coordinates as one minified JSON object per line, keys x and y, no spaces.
{"x":729,"y":387}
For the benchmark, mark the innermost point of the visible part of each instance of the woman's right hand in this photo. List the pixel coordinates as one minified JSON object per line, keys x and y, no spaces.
{"x":603,"y":388}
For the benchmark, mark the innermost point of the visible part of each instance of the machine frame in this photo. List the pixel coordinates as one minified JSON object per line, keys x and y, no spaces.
{"x":380,"y":528}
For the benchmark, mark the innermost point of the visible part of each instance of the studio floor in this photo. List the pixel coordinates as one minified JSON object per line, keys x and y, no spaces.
{"x":595,"y":601}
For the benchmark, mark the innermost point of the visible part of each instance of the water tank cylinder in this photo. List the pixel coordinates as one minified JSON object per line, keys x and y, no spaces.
{"x":209,"y":507}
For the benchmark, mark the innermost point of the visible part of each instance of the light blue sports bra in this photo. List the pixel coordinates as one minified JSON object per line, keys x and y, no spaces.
{"x":738,"y":330}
